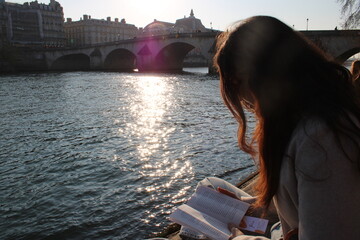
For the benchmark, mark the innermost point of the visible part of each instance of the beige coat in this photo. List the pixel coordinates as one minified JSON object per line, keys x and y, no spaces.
{"x":319,"y":191}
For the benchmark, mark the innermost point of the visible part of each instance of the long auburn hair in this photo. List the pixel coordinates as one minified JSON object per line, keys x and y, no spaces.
{"x":287,"y":79}
{"x":355,"y":71}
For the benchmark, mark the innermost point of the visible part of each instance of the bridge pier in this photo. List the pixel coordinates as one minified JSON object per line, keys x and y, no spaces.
{"x":144,"y":63}
{"x":154,"y":65}
{"x":96,"y":63}
{"x":212,"y":69}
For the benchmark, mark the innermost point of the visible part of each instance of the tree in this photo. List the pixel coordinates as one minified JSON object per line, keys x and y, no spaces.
{"x":350,"y":12}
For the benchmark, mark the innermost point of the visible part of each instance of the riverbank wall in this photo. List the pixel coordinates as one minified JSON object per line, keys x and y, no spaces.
{"x":20,"y":59}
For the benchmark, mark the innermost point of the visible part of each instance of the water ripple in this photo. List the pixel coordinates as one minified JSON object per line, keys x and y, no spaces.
{"x":108,"y":155}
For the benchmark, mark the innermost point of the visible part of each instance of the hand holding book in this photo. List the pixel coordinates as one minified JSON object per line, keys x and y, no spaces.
{"x":210,"y":212}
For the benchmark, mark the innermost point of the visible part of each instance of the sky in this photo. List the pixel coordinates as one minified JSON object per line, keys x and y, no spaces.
{"x":218,"y":14}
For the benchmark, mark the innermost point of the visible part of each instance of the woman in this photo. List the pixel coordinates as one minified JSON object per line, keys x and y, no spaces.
{"x":355,"y":71}
{"x":308,"y":133}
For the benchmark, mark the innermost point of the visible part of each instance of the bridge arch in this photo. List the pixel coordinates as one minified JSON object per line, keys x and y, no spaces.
{"x":171,"y":57}
{"x":121,"y":60}
{"x":72,"y":62}
{"x":346,"y":55}
{"x":340,"y":44}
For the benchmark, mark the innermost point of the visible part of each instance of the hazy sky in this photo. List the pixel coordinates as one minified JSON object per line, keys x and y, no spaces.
{"x":322,"y":14}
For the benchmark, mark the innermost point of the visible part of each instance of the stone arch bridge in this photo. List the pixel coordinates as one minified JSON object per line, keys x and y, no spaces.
{"x":167,"y":52}
{"x":156,"y":53}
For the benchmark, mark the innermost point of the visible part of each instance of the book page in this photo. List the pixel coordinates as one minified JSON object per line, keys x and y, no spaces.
{"x":217,"y":205}
{"x":191,"y":233}
{"x":209,"y":226}
{"x":254,"y":224}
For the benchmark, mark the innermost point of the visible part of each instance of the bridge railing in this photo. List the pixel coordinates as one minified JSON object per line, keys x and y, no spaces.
{"x":332,"y":32}
{"x":145,"y":38}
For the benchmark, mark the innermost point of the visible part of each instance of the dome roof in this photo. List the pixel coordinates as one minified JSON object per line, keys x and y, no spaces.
{"x":158,"y":25}
{"x":190,"y":24}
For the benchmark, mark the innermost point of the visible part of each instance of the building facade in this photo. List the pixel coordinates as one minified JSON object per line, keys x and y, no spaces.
{"x":53,"y":24}
{"x":157,"y":28}
{"x":88,"y":31}
{"x":3,"y":23}
{"x":189,"y":24}
{"x":32,"y":24}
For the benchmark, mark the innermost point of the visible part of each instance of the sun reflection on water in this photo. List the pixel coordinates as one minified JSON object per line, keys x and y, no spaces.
{"x":164,"y":169}
{"x":151,"y":104}
{"x":151,"y":108}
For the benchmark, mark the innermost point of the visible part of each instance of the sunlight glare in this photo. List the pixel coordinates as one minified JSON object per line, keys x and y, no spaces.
{"x":152,"y":102}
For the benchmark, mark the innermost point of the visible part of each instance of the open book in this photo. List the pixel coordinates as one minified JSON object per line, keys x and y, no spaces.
{"x":210,"y":212}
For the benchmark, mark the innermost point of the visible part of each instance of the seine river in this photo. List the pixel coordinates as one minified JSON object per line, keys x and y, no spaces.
{"x":103,"y":155}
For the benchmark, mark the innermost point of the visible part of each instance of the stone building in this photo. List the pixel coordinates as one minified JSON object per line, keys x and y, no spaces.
{"x":189,"y":24}
{"x":90,"y":31}
{"x":3,"y":23}
{"x":53,"y":24}
{"x":32,"y":24}
{"x":157,"y":28}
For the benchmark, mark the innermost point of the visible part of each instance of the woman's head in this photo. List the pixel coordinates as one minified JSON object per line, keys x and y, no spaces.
{"x":266,"y":61}
{"x":263,"y":61}
{"x":285,"y":78}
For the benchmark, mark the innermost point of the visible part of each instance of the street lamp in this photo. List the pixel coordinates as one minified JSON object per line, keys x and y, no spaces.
{"x":307,"y":24}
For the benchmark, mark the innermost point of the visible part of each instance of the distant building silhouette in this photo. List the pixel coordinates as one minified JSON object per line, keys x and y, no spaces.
{"x":184,"y":25}
{"x":190,"y":24}
{"x":88,"y":31}
{"x":32,"y":23}
{"x":157,"y":28}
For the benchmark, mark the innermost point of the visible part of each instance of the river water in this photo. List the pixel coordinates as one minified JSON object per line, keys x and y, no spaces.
{"x":101,"y":155}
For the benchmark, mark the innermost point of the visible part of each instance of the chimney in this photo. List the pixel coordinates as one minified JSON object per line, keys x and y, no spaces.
{"x":69,"y":20}
{"x":85,"y":17}
{"x":116,"y":20}
{"x":108,"y":19}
